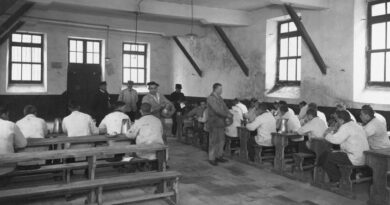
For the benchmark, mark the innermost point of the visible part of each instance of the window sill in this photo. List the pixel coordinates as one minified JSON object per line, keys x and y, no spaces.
{"x":26,"y":88}
{"x":284,"y":91}
{"x":141,"y":89}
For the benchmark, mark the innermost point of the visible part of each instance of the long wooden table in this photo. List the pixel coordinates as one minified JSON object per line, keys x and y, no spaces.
{"x":379,"y":161}
{"x":280,"y":141}
{"x":40,"y":142}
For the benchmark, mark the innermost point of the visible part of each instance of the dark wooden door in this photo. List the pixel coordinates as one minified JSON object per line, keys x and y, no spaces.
{"x":83,"y":83}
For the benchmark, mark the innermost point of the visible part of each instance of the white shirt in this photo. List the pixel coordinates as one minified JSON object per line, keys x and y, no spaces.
{"x":322,"y":116}
{"x":113,"y":122}
{"x":243,"y":108}
{"x":381,"y":119}
{"x":265,"y":125}
{"x":377,"y":134}
{"x":352,"y":116}
{"x":302,"y":112}
{"x":352,"y":140}
{"x":231,"y":130}
{"x":293,"y":123}
{"x":79,"y":124}
{"x":32,"y":126}
{"x":147,"y":130}
{"x":10,"y":137}
{"x":239,"y":111}
{"x":130,"y":98}
{"x":315,"y":128}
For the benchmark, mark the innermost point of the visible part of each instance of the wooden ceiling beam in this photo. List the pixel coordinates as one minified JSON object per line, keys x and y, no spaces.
{"x":15,"y":17}
{"x":189,"y":57}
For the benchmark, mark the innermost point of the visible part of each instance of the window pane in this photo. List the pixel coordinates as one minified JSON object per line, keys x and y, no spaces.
{"x":16,"y":53}
{"x":89,"y":58}
{"x":36,"y":72}
{"x":283,"y":70}
{"x":79,"y":57}
{"x":26,"y":72}
{"x":16,"y":37}
{"x":292,"y":50}
{"x":72,"y":57}
{"x":387,"y":67}
{"x":388,"y":34}
{"x":133,"y":61}
{"x":377,"y":67}
{"x":79,"y":46}
{"x":96,"y":58}
{"x":36,"y":39}
{"x":133,"y":47}
{"x":16,"y":71}
{"x":26,"y":54}
{"x":141,"y":48}
{"x":96,"y":47}
{"x":299,"y":70}
{"x":291,"y":70}
{"x":72,"y":45}
{"x":26,"y":38}
{"x":141,"y":61}
{"x":388,"y":8}
{"x":378,"y":37}
{"x":126,"y":47}
{"x":36,"y":55}
{"x":378,"y":9}
{"x":126,"y":75}
{"x":292,"y":27}
{"x":141,"y":76}
{"x":284,"y":28}
{"x":126,"y":60}
{"x":89,"y":46}
{"x":283,"y":47}
{"x":133,"y":75}
{"x":299,"y":46}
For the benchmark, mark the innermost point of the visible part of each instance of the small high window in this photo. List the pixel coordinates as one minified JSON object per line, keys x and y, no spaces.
{"x":83,"y":51}
{"x":134,"y":63}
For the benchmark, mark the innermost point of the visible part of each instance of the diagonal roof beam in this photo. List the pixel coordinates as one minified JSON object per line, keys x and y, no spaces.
{"x":15,"y":17}
{"x":306,"y":37}
{"x":232,"y":50}
{"x":193,"y":63}
{"x":5,"y":5}
{"x":14,"y":28}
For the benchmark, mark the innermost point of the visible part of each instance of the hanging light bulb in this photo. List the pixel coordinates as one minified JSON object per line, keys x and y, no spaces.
{"x":192,"y":35}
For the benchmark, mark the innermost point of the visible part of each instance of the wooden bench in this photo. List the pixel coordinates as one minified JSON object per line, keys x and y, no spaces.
{"x":349,"y":177}
{"x":97,"y":185}
{"x":263,"y":153}
{"x":229,"y":141}
{"x":91,"y":153}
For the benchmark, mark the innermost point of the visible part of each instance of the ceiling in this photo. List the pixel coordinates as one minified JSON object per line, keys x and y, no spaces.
{"x":246,"y":5}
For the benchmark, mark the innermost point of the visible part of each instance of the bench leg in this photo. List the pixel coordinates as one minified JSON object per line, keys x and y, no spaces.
{"x":257,"y":158}
{"x":345,"y":180}
{"x":228,"y":150}
{"x":318,"y":176}
{"x":99,"y":195}
{"x":175,"y":187}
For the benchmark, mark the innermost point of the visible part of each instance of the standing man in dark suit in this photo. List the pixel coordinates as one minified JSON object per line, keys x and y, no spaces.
{"x":218,"y":113}
{"x":101,"y":103}
{"x":177,"y":97}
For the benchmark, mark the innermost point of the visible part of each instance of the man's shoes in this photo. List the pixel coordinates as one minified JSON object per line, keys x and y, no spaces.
{"x":221,"y":159}
{"x":213,"y":162}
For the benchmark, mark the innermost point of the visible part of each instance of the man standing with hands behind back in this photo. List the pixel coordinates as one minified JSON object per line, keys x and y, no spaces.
{"x":218,"y":112}
{"x":130,"y":97}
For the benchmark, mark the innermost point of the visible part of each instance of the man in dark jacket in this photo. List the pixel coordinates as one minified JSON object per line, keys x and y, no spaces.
{"x":177,"y":97}
{"x":101,"y":103}
{"x":217,"y":115}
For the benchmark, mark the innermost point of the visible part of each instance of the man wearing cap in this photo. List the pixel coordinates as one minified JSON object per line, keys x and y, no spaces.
{"x":130,"y":97}
{"x":177,"y":98}
{"x":158,"y":102}
{"x":101,"y":104}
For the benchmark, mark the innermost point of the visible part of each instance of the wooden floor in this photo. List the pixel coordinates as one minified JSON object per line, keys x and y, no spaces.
{"x":232,"y":183}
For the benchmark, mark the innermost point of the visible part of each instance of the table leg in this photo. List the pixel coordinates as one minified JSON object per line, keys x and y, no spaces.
{"x":379,"y":193}
{"x":280,"y":144}
{"x":244,"y":136}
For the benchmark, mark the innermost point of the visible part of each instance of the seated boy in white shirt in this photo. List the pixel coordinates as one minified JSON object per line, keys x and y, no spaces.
{"x":264,"y":124}
{"x":10,"y":138}
{"x":314,"y":127}
{"x":353,"y":142}
{"x":147,"y":130}
{"x":375,"y":129}
{"x":32,"y":127}
{"x":112,"y":123}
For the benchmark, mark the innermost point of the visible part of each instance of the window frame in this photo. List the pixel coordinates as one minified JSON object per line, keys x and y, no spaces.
{"x":278,"y":58}
{"x":84,"y":51}
{"x":370,"y":21}
{"x":145,"y":53}
{"x":30,"y":45}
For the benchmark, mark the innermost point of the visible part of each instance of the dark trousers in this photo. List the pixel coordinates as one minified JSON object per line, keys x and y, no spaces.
{"x":332,"y":160}
{"x":174,"y":124}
